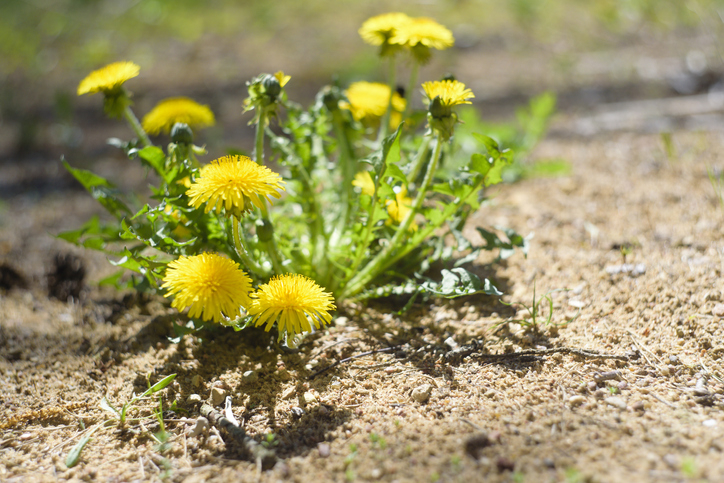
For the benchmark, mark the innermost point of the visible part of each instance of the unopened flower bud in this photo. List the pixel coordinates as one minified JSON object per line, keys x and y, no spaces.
{"x":264,"y":230}
{"x":272,"y":88}
{"x":438,"y":110}
{"x":181,"y":133}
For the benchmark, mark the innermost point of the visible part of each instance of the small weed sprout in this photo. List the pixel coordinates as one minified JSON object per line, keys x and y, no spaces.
{"x":120,"y":418}
{"x":534,"y":319}
{"x":716,"y":178}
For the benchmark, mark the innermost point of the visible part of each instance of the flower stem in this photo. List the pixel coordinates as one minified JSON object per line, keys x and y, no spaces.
{"x":385,"y":257}
{"x":136,"y":126}
{"x":385,"y":122}
{"x":347,"y":168}
{"x":271,"y":246}
{"x":419,"y":159}
{"x":241,"y":250}
{"x":410,"y":88}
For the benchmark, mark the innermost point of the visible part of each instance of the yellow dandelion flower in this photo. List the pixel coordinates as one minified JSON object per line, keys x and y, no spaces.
{"x":210,"y":285}
{"x":283,"y":79}
{"x":109,"y":78}
{"x":450,"y":92}
{"x":368,"y":101}
{"x":379,"y":29}
{"x":399,"y":208}
{"x":294,"y":302}
{"x":234,"y":183}
{"x":363,"y":180}
{"x":424,"y":32}
{"x":177,"y":109}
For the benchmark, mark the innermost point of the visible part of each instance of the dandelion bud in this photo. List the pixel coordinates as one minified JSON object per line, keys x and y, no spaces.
{"x":438,"y":109}
{"x":181,"y":133}
{"x":272,"y":87}
{"x":330,"y":97}
{"x":264,"y":230}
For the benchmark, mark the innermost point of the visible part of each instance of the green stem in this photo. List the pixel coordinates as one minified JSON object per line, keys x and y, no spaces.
{"x":241,"y":250}
{"x":259,"y":139}
{"x":385,"y":256}
{"x":271,"y":246}
{"x":346,"y":166}
{"x":362,"y":248}
{"x":136,"y":126}
{"x":385,"y":122}
{"x":419,"y":159}
{"x":422,"y":235}
{"x":410,"y":88}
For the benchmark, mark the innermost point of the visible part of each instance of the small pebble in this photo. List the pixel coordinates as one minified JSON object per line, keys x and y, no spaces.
{"x":218,"y":396}
{"x":638,"y":406}
{"x":673,"y":360}
{"x":324,"y":450}
{"x":341,"y":321}
{"x":193,"y":399}
{"x":576,"y":400}
{"x":700,"y":388}
{"x":474,"y":445}
{"x":622,"y":386}
{"x":592,"y":386}
{"x":376,"y":473}
{"x":709,"y":423}
{"x":504,"y":464}
{"x":201,"y":426}
{"x":421,"y":393}
{"x":671,"y":461}
{"x":250,"y":376}
{"x":196,"y":380}
{"x":549,"y":463}
{"x":289,"y":392}
{"x":335,"y":384}
{"x":616,"y":402}
{"x":309,"y":398}
{"x":297,"y":412}
{"x":25,"y":436}
{"x":718,"y":310}
{"x":450,"y":342}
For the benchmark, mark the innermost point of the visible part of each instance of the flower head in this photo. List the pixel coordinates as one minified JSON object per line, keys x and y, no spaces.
{"x":368,"y":101}
{"x":109,"y":78}
{"x":363,"y":180}
{"x":420,"y":35}
{"x":450,"y":92}
{"x":235,"y":183}
{"x":379,"y":29}
{"x":211,"y":285}
{"x":294,"y":302}
{"x":174,"y":110}
{"x":400,"y":207}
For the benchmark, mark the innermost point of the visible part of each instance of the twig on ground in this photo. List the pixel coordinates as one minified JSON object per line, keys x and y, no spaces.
{"x":329,"y":346}
{"x":529,"y":354}
{"x":42,"y":414}
{"x":672,"y":406}
{"x":644,"y":349}
{"x":342,"y":361}
{"x":254,"y":449}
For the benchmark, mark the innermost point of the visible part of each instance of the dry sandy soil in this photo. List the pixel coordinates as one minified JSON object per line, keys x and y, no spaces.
{"x":421,"y":411}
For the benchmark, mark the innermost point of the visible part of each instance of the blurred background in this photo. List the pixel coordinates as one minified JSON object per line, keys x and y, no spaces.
{"x":590,"y":53}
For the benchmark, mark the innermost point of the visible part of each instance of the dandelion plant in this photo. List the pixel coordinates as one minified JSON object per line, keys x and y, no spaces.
{"x":356,"y":197}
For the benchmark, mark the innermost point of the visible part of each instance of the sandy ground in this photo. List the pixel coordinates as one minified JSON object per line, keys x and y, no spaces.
{"x":430,"y":406}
